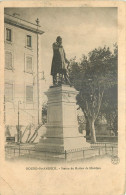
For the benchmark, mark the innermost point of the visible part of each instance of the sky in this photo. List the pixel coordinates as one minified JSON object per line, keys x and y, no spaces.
{"x":81,"y":28}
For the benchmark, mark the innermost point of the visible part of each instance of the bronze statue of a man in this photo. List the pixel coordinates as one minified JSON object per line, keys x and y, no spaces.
{"x":59,"y":63}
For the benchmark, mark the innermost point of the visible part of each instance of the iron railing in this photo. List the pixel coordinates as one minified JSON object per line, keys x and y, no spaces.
{"x":98,"y":149}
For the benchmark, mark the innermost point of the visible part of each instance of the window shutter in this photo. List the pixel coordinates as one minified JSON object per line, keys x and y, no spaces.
{"x":29,"y":93}
{"x":8,"y":34}
{"x":8,"y":60}
{"x":8,"y":91}
{"x":29,"y":64}
{"x":29,"y":41}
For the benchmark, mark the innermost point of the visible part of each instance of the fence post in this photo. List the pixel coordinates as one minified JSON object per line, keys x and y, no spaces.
{"x":105,"y":149}
{"x":83,"y":153}
{"x":19,"y":149}
{"x":29,"y":152}
{"x":65,"y":155}
{"x":99,"y":151}
{"x":14,"y":151}
{"x":112,"y":150}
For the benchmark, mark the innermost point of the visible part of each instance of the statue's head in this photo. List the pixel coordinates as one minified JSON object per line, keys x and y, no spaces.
{"x":59,"y":40}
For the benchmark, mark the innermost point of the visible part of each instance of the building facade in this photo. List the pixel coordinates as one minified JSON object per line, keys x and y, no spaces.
{"x":22,"y":86}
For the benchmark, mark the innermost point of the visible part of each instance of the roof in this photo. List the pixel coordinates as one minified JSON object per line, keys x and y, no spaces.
{"x":23,"y":24}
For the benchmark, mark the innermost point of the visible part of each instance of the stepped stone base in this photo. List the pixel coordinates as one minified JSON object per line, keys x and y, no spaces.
{"x":62,"y":126}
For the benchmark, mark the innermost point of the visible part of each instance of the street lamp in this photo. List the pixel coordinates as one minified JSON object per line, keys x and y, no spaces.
{"x":42,"y":78}
{"x":18,"y":137}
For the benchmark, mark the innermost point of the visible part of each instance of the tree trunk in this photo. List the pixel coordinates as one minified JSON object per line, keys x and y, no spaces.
{"x":87,"y":123}
{"x":35,"y":133}
{"x":92,"y":131}
{"x":87,"y":128}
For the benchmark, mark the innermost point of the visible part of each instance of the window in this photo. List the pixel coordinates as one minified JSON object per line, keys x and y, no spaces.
{"x":29,"y":94}
{"x":8,"y":34}
{"x":8,"y":91}
{"x":8,"y":60}
{"x":29,"y":64}
{"x":29,"y":41}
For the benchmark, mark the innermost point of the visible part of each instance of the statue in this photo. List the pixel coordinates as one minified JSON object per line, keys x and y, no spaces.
{"x":59,"y":64}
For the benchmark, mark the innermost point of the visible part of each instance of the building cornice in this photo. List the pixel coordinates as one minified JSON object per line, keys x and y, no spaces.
{"x":23,"y":26}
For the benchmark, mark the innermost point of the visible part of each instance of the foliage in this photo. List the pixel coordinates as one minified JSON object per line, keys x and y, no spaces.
{"x":92,"y":76}
{"x":81,"y":123}
{"x":109,"y":108}
{"x":44,"y":113}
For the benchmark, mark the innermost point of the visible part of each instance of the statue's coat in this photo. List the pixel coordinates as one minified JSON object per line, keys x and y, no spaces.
{"x":59,"y":59}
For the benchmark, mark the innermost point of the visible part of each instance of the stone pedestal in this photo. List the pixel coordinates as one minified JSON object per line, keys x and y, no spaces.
{"x":62,"y":125}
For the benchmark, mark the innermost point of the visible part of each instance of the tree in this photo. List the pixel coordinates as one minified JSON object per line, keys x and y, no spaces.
{"x":44,"y":120}
{"x":32,"y":130}
{"x":44,"y":113}
{"x":91,"y":76}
